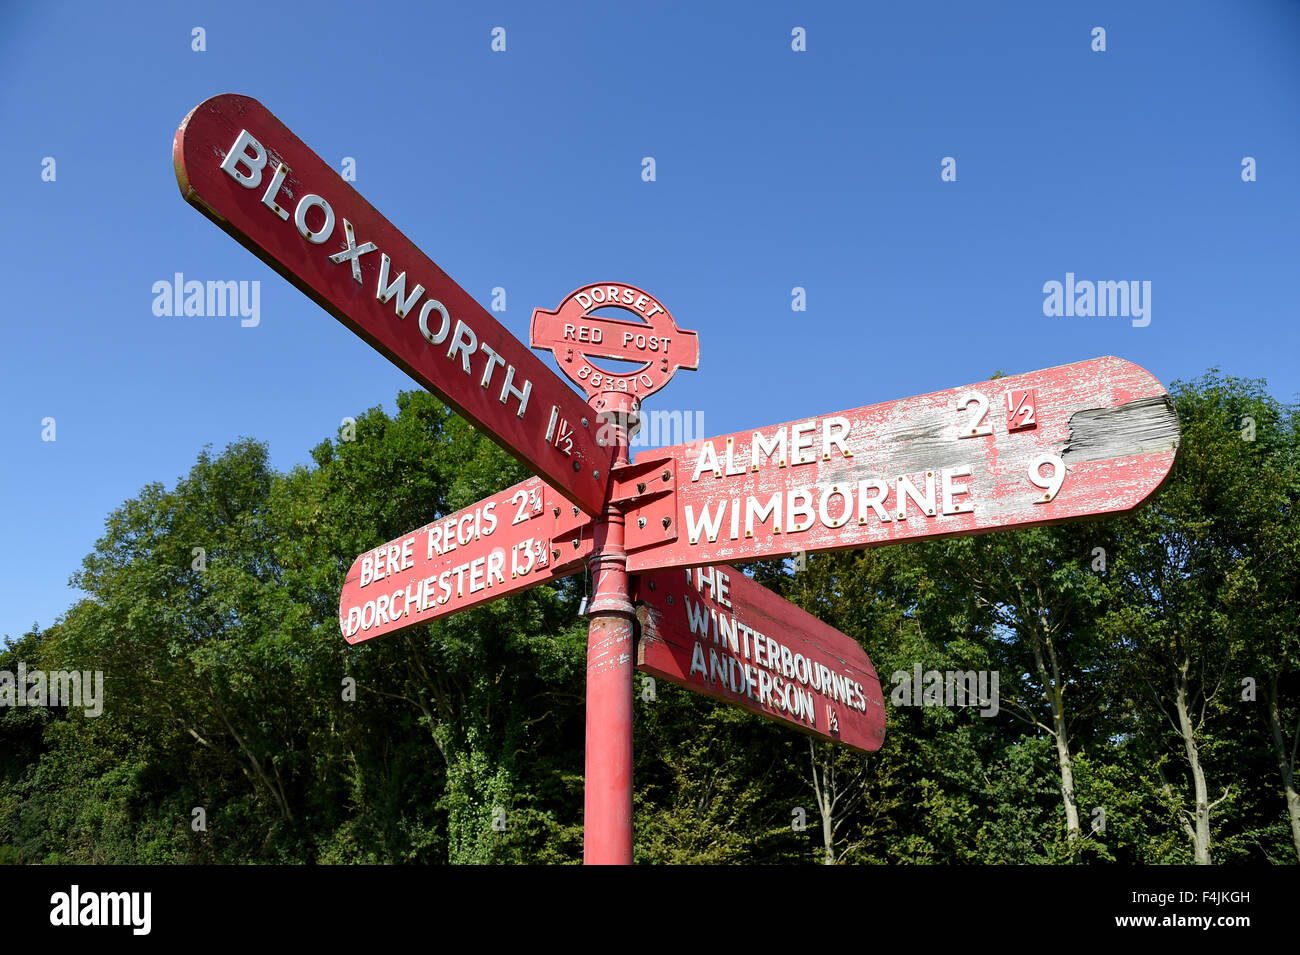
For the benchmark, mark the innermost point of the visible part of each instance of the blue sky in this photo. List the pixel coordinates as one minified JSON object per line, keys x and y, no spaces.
{"x":523,"y":169}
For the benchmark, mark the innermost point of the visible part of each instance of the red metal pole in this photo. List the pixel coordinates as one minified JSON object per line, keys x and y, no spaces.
{"x":607,"y":800}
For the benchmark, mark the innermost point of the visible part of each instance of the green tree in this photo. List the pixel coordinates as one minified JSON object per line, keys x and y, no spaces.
{"x":1186,"y":565}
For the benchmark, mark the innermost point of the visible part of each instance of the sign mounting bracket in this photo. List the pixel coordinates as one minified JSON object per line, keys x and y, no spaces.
{"x":647,"y":491}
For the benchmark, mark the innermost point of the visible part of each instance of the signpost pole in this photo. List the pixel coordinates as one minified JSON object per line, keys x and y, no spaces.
{"x":607,"y":801}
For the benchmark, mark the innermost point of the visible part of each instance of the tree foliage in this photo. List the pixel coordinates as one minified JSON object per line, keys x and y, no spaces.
{"x":1148,"y":705}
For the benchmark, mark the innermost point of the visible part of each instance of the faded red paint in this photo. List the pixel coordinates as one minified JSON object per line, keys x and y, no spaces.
{"x":1108,"y":420}
{"x":548,"y":436}
{"x":667,"y":646}
{"x":535,"y":536}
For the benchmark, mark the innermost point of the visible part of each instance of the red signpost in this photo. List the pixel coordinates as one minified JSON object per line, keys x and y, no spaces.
{"x":511,"y":541}
{"x":243,"y":169}
{"x":1096,"y":437}
{"x":1091,"y":438}
{"x":652,"y":342}
{"x":715,"y":631}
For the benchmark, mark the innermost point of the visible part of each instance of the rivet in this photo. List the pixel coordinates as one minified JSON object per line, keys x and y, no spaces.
{"x":667,"y":521}
{"x":584,"y":422}
{"x":640,"y":487}
{"x":640,"y":522}
{"x":596,"y":475}
{"x":667,"y":475}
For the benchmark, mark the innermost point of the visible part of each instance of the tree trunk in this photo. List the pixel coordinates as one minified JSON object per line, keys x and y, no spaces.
{"x":1285,"y":764}
{"x":824,"y":793}
{"x":277,"y":793}
{"x":828,"y":836}
{"x":1050,"y":677}
{"x":1201,"y":827}
{"x":1066,"y":764}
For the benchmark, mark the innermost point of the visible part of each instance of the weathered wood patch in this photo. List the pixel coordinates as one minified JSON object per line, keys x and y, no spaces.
{"x":1134,"y":428}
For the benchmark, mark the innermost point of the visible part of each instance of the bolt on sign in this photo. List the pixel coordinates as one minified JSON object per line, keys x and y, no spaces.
{"x":1091,"y":438}
{"x":1096,"y":437}
{"x":717,"y":632}
{"x":243,"y":169}
{"x":524,"y":536}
